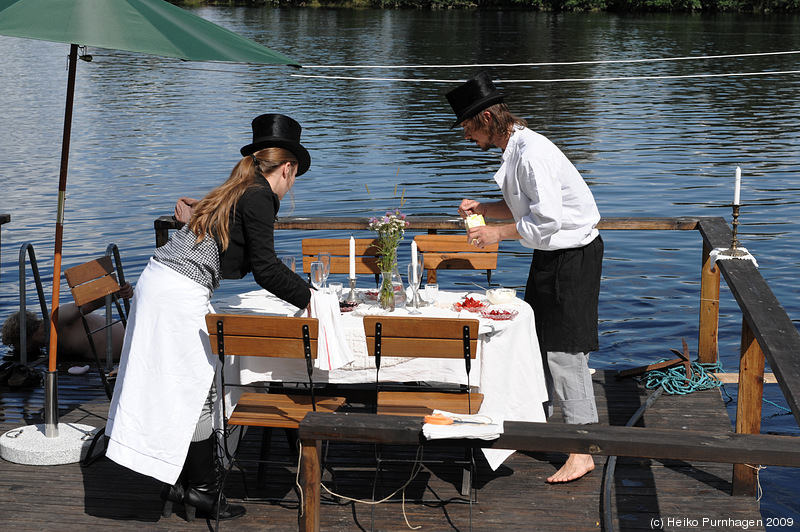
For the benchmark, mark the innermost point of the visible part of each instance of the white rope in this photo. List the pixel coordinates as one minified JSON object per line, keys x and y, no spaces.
{"x":598,"y":62}
{"x":561,"y":80}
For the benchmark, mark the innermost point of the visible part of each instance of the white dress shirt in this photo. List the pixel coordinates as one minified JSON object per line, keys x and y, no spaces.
{"x":551,"y":203}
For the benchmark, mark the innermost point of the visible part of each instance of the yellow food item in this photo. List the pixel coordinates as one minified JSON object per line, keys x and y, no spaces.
{"x":474,"y":220}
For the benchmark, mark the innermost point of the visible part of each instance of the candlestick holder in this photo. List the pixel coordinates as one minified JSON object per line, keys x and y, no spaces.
{"x":353,"y":297}
{"x":416,"y":299}
{"x":734,"y":250}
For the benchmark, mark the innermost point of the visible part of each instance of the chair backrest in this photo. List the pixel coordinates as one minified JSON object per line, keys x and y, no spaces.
{"x":339,"y":248}
{"x":453,"y":252}
{"x":92,"y":280}
{"x":402,"y":336}
{"x":263,"y":336}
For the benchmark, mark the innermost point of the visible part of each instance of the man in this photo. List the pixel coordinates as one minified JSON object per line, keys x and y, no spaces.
{"x":73,"y":344}
{"x":555,"y":214}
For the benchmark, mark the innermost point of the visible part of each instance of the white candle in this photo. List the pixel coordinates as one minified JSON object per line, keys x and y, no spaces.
{"x":414,"y":260}
{"x":352,"y":258}
{"x":737,"y":186}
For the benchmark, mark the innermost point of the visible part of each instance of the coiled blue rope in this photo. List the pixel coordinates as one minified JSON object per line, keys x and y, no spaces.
{"x":674,"y":380}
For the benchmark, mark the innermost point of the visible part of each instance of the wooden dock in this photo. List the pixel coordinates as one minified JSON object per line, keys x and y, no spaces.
{"x":645,"y":495}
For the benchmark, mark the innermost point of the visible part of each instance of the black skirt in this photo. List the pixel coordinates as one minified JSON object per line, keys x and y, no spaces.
{"x":563,"y":289}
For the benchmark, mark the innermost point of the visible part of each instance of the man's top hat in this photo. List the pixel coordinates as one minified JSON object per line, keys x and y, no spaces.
{"x":280,"y":131}
{"x":472,"y":97}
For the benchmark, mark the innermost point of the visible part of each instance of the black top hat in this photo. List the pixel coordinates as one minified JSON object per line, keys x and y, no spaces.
{"x":278,"y":131}
{"x":472,"y":97}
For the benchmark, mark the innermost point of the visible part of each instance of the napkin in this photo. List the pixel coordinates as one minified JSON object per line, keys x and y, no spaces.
{"x":720,"y":254}
{"x":332,"y":349}
{"x":479,"y":427}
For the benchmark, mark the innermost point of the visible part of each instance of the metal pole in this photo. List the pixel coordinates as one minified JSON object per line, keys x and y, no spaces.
{"x":51,"y":405}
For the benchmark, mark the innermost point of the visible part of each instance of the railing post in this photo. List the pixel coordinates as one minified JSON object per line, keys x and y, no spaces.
{"x":310,"y":476}
{"x":707,"y":345}
{"x":748,"y":407}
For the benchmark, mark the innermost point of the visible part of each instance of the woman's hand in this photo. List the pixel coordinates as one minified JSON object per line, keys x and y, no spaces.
{"x":184,"y":208}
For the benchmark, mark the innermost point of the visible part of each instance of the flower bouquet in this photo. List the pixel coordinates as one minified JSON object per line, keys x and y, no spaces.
{"x":389,"y":230}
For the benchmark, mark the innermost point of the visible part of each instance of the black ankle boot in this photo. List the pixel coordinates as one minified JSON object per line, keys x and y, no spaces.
{"x":172,"y":495}
{"x":202,"y":484}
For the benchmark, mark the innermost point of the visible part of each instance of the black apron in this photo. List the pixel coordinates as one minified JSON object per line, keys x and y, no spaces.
{"x":563,"y":289}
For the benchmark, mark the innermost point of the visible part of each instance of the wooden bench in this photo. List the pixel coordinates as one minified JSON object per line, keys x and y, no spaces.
{"x":453,"y":252}
{"x":670,"y":444}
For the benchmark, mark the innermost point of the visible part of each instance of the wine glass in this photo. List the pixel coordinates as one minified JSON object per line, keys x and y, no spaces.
{"x":325,"y":259}
{"x":414,"y":276}
{"x":288,"y":260}
{"x":317,"y":273}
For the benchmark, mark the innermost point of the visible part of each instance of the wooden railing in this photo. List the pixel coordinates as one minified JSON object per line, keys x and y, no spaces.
{"x":767,"y":331}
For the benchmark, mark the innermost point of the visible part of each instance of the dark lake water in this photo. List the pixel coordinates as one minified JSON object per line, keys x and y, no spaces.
{"x":652,"y":138}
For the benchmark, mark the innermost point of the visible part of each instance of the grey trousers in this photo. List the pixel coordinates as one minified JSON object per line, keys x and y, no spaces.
{"x":569,"y":381}
{"x":205,"y":424}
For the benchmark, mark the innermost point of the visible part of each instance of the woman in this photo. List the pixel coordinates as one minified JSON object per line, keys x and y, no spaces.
{"x":160,"y":421}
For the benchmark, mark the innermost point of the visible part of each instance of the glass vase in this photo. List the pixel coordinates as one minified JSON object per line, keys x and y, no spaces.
{"x":386,"y":292}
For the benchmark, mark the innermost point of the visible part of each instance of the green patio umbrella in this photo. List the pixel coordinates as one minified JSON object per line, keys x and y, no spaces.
{"x":147,"y":26}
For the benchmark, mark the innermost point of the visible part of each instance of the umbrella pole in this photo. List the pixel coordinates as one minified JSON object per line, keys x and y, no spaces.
{"x":51,"y":382}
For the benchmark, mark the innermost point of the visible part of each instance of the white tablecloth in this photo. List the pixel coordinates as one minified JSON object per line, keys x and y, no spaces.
{"x":508,"y":367}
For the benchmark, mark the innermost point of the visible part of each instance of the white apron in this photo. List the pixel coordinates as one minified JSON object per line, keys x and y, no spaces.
{"x":166,"y":370}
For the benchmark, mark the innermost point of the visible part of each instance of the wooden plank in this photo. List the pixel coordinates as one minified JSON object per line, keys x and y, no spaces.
{"x":450,"y":243}
{"x":89,"y":271}
{"x":406,"y":327}
{"x":5,"y":218}
{"x":422,"y":347}
{"x":264,"y":347}
{"x":638,"y":442}
{"x":263,"y":326}
{"x":278,"y":410}
{"x":94,"y":290}
{"x":424,"y":403}
{"x":748,"y":407}
{"x":336,"y":223}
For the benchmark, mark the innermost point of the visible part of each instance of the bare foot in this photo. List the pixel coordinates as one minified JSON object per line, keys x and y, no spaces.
{"x":575,"y":467}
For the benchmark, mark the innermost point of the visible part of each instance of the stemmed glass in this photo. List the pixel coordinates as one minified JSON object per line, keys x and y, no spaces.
{"x":317,"y":273}
{"x":414,"y":277}
{"x":288,"y":260}
{"x":325,"y":259}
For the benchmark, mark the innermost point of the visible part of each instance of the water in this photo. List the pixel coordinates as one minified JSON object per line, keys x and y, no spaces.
{"x":148,"y":130}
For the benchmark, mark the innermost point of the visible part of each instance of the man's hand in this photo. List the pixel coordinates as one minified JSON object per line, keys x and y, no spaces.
{"x":484,"y":235}
{"x":184,"y":209}
{"x":469,"y":206}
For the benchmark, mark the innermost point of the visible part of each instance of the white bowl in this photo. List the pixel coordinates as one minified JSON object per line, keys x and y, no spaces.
{"x":499,"y":296}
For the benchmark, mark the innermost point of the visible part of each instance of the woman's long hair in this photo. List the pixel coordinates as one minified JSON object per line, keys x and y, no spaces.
{"x":212,"y":214}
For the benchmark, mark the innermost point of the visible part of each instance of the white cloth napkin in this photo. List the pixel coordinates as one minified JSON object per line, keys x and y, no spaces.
{"x":332,"y":351}
{"x":478,"y":427}
{"x":720,"y":254}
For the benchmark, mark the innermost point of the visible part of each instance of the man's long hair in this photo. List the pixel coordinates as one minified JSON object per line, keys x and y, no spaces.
{"x":212,"y":214}
{"x":503,"y":121}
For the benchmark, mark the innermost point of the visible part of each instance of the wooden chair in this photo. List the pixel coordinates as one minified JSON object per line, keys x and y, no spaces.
{"x":453,"y":252}
{"x":365,"y":255}
{"x":268,"y":336}
{"x":446,"y":338}
{"x":89,"y":282}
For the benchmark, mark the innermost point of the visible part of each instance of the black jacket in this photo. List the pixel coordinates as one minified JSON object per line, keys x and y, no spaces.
{"x":252,"y":247}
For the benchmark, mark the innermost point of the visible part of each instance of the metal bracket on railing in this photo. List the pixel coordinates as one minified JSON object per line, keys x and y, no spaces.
{"x":378,"y":329}
{"x":467,"y":354}
{"x":309,"y":363}
{"x":23,"y":338}
{"x":221,"y":341}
